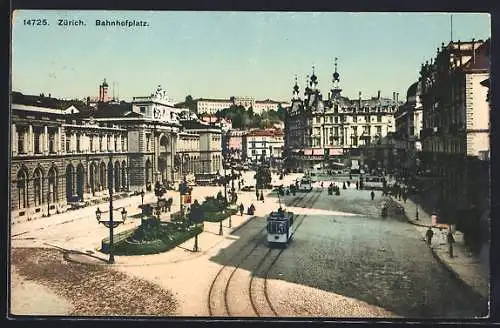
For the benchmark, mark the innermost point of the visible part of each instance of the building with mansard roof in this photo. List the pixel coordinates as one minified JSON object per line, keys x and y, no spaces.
{"x":62,"y":150}
{"x":455,"y":133}
{"x":329,"y":130}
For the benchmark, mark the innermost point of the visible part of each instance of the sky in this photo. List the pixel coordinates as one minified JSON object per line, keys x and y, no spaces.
{"x":224,"y":54}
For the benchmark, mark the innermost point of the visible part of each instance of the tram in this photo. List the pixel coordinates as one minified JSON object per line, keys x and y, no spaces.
{"x":279,"y":227}
{"x":305,"y":184}
{"x":373,"y":182}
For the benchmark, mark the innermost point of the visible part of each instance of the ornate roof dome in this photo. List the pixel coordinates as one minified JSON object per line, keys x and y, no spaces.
{"x":412,"y":90}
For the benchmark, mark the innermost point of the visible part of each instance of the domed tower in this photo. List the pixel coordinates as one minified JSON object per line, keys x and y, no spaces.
{"x":307,"y":90}
{"x":103,"y":91}
{"x":296,"y":90}
{"x":336,"y":80}
{"x":314,"y":80}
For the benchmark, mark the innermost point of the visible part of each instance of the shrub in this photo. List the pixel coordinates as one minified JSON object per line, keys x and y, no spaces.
{"x":169,"y":236}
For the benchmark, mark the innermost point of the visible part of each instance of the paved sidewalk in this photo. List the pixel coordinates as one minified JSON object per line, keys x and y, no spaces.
{"x":464,"y":265}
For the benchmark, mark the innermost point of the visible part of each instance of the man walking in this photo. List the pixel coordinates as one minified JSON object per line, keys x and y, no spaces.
{"x":257,"y":193}
{"x":262,"y":196}
{"x":428,"y":236}
{"x":372,"y":194}
{"x":242,"y":208}
{"x":450,"y":240}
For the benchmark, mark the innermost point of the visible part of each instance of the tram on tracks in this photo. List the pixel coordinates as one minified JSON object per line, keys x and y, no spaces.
{"x":305,"y":184}
{"x":280,"y":227}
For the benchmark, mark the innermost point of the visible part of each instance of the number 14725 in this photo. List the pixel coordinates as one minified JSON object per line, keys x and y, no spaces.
{"x":35,"y":22}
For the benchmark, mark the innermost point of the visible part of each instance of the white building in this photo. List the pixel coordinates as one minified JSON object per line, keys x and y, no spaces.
{"x":212,"y":106}
{"x":261,"y":106}
{"x":318,"y":130}
{"x":263,"y":144}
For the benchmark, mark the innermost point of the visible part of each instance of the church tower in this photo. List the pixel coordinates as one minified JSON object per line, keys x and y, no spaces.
{"x":335,"y":92}
{"x":103,"y":92}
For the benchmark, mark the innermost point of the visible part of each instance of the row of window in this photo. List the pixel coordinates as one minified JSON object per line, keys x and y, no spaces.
{"x":338,"y":119}
{"x":37,"y":183}
{"x":94,"y":147}
{"x":23,"y":143}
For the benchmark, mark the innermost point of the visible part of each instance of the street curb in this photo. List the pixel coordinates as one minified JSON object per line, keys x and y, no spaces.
{"x":416,"y":224}
{"x":448,"y":268}
{"x":455,"y":275}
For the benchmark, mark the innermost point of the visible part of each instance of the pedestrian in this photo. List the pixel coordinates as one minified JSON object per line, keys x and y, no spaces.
{"x":257,"y":193}
{"x":242,"y":208}
{"x":450,"y":240}
{"x":235,"y":198}
{"x":405,"y":197}
{"x":239,"y":185}
{"x":372,"y":194}
{"x":357,"y":185}
{"x":348,"y":184}
{"x":428,"y":235}
{"x":321,"y":184}
{"x":343,"y":186}
{"x":262,"y":196}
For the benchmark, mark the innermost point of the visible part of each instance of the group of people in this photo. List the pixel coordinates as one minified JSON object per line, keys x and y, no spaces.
{"x":399,"y":192}
{"x":449,"y":239}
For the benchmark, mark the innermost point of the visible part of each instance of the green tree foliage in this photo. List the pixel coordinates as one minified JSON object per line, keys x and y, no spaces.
{"x":244,"y":119}
{"x":263,"y":177}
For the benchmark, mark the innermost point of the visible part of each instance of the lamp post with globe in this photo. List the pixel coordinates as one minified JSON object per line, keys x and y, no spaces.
{"x":111,"y":223}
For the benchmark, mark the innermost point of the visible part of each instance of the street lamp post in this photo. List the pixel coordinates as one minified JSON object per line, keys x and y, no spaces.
{"x":142,"y":205}
{"x":225,"y":178}
{"x":111,"y":224}
{"x":220,"y":228}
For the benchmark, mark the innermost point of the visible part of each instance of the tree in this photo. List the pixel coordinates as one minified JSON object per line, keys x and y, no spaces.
{"x":263,"y":177}
{"x":190,"y":103}
{"x":196,"y":213}
{"x":281,"y":113}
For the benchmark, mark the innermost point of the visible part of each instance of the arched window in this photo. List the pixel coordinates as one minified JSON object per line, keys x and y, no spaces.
{"x":102,"y":177}
{"x":124,"y":175}
{"x":22,"y":188}
{"x":117,"y":176}
{"x":52,"y":179}
{"x":37,"y":186}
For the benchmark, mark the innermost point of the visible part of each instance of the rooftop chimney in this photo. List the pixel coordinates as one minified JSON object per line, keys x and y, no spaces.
{"x":459,"y":54}
{"x":397,"y":96}
{"x":473,"y":52}
{"x":394,"y":96}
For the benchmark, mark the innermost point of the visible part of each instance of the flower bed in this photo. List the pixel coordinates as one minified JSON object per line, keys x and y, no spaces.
{"x":153,"y":239}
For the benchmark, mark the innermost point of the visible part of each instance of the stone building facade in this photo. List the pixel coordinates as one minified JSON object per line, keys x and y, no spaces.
{"x":332,"y":130}
{"x":455,"y":134}
{"x":58,"y":155}
{"x":67,"y":151}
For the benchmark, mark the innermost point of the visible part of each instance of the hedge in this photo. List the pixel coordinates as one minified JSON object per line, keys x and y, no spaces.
{"x":219,"y":216}
{"x":176,"y":234}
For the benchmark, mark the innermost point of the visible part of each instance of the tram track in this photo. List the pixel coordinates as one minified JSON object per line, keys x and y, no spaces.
{"x":217,"y":303}
{"x":258,"y":288}
{"x":242,"y":284}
